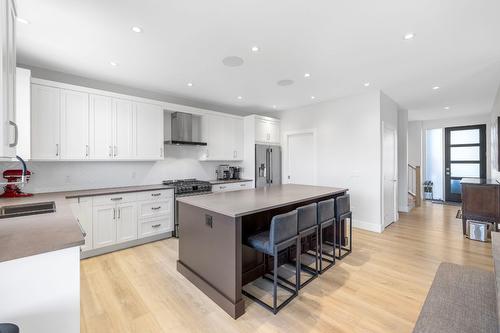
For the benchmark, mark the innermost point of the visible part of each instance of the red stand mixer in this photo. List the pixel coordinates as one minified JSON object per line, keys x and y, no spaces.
{"x":14,"y":177}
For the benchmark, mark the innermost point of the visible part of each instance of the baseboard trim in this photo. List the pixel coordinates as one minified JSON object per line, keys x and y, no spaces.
{"x":404,"y":209}
{"x":374,"y":227}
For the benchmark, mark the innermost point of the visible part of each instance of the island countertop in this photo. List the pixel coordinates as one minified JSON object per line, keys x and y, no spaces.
{"x":245,"y":202}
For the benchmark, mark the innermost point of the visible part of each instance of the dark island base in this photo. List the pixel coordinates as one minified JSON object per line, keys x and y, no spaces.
{"x":212,"y":254}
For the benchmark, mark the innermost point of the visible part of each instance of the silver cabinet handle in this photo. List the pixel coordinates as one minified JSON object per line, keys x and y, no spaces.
{"x":155,"y":194}
{"x":116,"y":199}
{"x":243,"y":184}
{"x":114,"y":213}
{"x":115,"y":151}
{"x":16,"y":134}
{"x":155,"y":208}
{"x":86,"y":150}
{"x":110,"y":151}
{"x":156,"y":225}
{"x":57,"y":149}
{"x":222,"y":187}
{"x":119,"y":213}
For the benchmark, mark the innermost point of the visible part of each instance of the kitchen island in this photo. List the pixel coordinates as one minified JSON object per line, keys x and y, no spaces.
{"x":211,"y":232}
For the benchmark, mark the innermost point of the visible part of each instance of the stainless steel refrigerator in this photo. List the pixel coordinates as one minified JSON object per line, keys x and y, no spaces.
{"x":267,"y":165}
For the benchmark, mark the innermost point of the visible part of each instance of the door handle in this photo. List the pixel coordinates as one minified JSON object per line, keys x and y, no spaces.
{"x":119,"y":213}
{"x":114,"y":213}
{"x":115,"y":151}
{"x":110,"y":151}
{"x":16,"y":134}
{"x":57,"y":149}
{"x":86,"y":150}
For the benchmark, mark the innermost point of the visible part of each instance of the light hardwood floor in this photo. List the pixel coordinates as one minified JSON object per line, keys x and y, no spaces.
{"x":380,"y":287}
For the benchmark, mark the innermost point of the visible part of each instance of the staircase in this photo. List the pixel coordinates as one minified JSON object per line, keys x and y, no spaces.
{"x":414,"y":187}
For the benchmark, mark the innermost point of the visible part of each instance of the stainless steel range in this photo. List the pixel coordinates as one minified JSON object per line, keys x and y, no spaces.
{"x":184,"y":188}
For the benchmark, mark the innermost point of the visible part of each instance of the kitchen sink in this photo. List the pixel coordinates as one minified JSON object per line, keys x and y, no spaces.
{"x":27,"y":209}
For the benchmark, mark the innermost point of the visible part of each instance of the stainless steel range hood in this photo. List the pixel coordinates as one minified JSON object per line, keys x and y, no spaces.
{"x":186,"y":129}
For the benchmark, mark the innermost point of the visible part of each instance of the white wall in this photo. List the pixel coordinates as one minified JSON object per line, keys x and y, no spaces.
{"x":415,"y":143}
{"x":348,"y":151}
{"x":403,"y":160}
{"x":495,"y":113}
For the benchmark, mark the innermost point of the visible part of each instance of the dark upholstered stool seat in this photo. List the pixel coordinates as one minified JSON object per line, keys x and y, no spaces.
{"x":9,"y":328}
{"x":281,"y":235}
{"x":326,"y":218}
{"x":261,"y":242}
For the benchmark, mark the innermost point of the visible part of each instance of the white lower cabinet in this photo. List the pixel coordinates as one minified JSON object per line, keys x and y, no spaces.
{"x":126,"y":222}
{"x":113,"y":219}
{"x":226,"y":187}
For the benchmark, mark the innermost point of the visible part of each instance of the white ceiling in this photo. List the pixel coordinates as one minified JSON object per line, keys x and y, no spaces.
{"x":341,"y":43}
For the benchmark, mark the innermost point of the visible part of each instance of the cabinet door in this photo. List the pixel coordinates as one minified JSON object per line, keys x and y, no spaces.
{"x":274,"y":128}
{"x":83,"y":213}
{"x":262,"y":130}
{"x":237,"y":138}
{"x":74,"y":125}
{"x":104,"y":225}
{"x":101,"y":127}
{"x":45,"y":122}
{"x":126,"y":226}
{"x":216,"y":140}
{"x":148,"y":131}
{"x":123,"y":129}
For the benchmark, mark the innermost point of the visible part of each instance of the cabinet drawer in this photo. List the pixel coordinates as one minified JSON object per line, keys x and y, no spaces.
{"x":159,"y":195}
{"x":155,"y":208}
{"x":114,"y":198}
{"x":151,"y":227}
{"x":242,"y":185}
{"x":220,"y":187}
{"x":231,"y":186}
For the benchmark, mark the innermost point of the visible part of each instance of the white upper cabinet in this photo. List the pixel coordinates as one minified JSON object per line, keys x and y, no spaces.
{"x":123,"y":129}
{"x":267,"y":130}
{"x":101,"y":127}
{"x":45,"y":122}
{"x":224,"y":136}
{"x":148,"y":131}
{"x":8,"y":128}
{"x":74,"y":125}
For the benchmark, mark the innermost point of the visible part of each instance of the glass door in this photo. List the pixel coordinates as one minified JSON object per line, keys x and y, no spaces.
{"x":465,"y":157}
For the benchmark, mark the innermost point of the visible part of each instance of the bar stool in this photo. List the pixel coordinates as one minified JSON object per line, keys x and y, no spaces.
{"x":326,"y":218}
{"x":282,"y":235}
{"x":343,"y":204}
{"x":9,"y":328}
{"x":307,"y":226}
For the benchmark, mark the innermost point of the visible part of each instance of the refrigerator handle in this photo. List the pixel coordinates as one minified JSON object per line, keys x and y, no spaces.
{"x":268,"y":160}
{"x":270,"y":166}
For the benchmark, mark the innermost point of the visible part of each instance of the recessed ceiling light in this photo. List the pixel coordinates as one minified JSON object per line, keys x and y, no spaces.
{"x":366,"y":84}
{"x":255,"y":49}
{"x":136,"y":29}
{"x":190,"y":84}
{"x":313,"y":97}
{"x":307,"y":75}
{"x":23,"y":21}
{"x":409,"y":36}
{"x":285,"y":82}
{"x":436,"y":88}
{"x":232,"y":61}
{"x":274,"y":106}
{"x":446,"y":108}
{"x":112,"y":63}
{"x":240,"y":97}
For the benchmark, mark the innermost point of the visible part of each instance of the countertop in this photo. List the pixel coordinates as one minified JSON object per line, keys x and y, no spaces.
{"x":228,"y":181}
{"x":240,"y":203}
{"x":480,"y":181}
{"x":30,"y":235}
{"x":116,"y":190}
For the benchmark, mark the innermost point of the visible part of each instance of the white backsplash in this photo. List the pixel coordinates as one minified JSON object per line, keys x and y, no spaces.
{"x":180,"y":162}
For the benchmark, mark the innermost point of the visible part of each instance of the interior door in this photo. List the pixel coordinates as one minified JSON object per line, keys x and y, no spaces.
{"x":101,"y":127}
{"x":126,"y":225}
{"x":74,"y":125}
{"x":300,"y":158}
{"x":390,"y":175}
{"x":465,"y":157}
